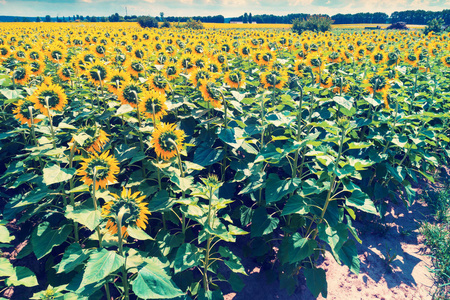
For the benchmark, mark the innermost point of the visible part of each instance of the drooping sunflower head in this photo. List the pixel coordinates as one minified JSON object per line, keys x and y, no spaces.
{"x":128,"y":94}
{"x":186,"y":63}
{"x":102,"y":168}
{"x":22,"y":112}
{"x":274,"y":78}
{"x":167,"y":140}
{"x":378,"y":83}
{"x":235,"y":79}
{"x":334,"y":57}
{"x":214,"y":67}
{"x":130,"y":207}
{"x":49,"y":94}
{"x":135,"y":67}
{"x":56,"y":53}
{"x":99,"y":50}
{"x":90,"y":138}
{"x":446,"y":60}
{"x":314,"y":61}
{"x":153,"y":105}
{"x":66,"y":72}
{"x":171,"y":71}
{"x":80,"y":61}
{"x":198,"y":75}
{"x":209,"y":93}
{"x":116,"y":80}
{"x":158,"y":82}
{"x":96,"y":72}
{"x":22,"y":73}
{"x":412,"y":59}
{"x":379,"y":57}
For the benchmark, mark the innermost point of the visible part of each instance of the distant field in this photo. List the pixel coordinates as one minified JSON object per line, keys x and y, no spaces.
{"x":287,"y":26}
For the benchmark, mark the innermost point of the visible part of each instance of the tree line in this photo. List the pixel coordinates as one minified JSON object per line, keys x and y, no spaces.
{"x":420,"y":17}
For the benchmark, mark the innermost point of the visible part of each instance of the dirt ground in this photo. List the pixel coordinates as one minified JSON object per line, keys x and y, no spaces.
{"x":406,"y":278}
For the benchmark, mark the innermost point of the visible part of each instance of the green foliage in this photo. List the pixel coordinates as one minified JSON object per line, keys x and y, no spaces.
{"x":435,"y":26}
{"x":193,"y":24}
{"x":313,"y":23}
{"x":166,"y":24}
{"x":147,"y":22}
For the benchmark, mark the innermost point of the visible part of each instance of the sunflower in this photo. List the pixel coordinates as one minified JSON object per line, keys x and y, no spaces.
{"x":56,"y":53}
{"x":186,"y":63}
{"x":167,"y":139}
{"x":66,"y":72}
{"x":446,"y":60}
{"x":412,"y":59}
{"x":104,"y":166}
{"x":80,"y":61}
{"x":128,"y":94}
{"x":136,"y":211}
{"x":334,"y":57}
{"x":274,"y":78}
{"x":379,"y":57}
{"x":235,"y":79}
{"x":244,"y":51}
{"x":20,"y":55}
{"x":213,"y":67}
{"x":96,"y":72}
{"x":22,"y":74}
{"x":150,"y":101}
{"x":22,"y":113}
{"x":267,"y":57}
{"x":98,"y":50}
{"x":314,"y":61}
{"x":135,"y":67}
{"x":138,"y":52}
{"x":54,"y":95}
{"x":171,"y":71}
{"x":4,"y":52}
{"x":92,"y":137}
{"x":325,"y":81}
{"x":158,"y":82}
{"x":209,"y":93}
{"x":37,"y":67}
{"x":299,"y":68}
{"x":198,"y":75}
{"x":378,"y":83}
{"x":116,"y":79}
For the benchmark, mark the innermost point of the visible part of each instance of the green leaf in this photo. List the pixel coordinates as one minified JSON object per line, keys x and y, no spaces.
{"x":124,"y":109}
{"x":184,"y":183}
{"x":276,"y":189}
{"x":349,"y":256}
{"x":6,"y":268}
{"x":233,"y":262}
{"x":206,"y":156}
{"x":188,"y":256}
{"x":152,"y":282}
{"x":55,"y":174}
{"x":300,"y":248}
{"x":44,"y":238}
{"x":160,"y":202}
{"x":72,"y":258}
{"x":87,"y":216}
{"x":262,"y":223}
{"x":4,"y":235}
{"x":100,"y":265}
{"x":344,"y":102}
{"x":236,"y":282}
{"x":316,"y":281}
{"x":361,"y":201}
{"x":22,"y":276}
{"x":138,"y":233}
{"x":295,"y":205}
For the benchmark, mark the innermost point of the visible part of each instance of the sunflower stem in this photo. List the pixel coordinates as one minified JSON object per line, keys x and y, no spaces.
{"x":94,"y":199}
{"x":180,"y":165}
{"x":225,"y":148}
{"x":72,"y":196}
{"x":141,"y":143}
{"x":52,"y":130}
{"x":119,"y":218}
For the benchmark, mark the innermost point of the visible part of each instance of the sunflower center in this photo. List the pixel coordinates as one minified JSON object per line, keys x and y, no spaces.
{"x":98,"y":73}
{"x":67,"y":71}
{"x":52,"y":96}
{"x":130,"y":93}
{"x":35,"y":66}
{"x":129,"y":204}
{"x":100,"y":49}
{"x":137,"y":66}
{"x":20,"y":73}
{"x":3,"y":51}
{"x":34,"y":55}
{"x":56,"y":54}
{"x":100,"y":166}
{"x":171,"y":70}
{"x":378,"y":57}
{"x":139,"y":53}
{"x":164,"y":141}
{"x":153,"y":102}
{"x":159,"y":82}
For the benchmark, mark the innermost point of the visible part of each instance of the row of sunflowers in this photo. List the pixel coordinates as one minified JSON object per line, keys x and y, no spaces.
{"x":145,"y":163}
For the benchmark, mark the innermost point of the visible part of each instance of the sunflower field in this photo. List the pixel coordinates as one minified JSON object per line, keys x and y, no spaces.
{"x":144,"y":164}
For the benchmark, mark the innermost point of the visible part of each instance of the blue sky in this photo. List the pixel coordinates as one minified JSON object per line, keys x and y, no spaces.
{"x":228,"y":8}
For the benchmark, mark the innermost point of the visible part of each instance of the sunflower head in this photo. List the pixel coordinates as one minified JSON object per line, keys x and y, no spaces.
{"x":22,"y":112}
{"x":90,"y":138}
{"x":51,"y":95}
{"x":235,"y":79}
{"x":128,"y":94}
{"x":96,"y":72}
{"x":167,"y":140}
{"x":209,"y":93}
{"x":66,"y":72}
{"x":116,"y":80}
{"x":130,"y":208}
{"x":153,"y":105}
{"x":158,"y":82}
{"x":22,"y":73}
{"x":274,"y":78}
{"x":171,"y":71}
{"x":102,"y":168}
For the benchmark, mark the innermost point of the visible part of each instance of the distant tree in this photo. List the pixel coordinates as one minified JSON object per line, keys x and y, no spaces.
{"x":88,"y":18}
{"x":78,"y":17}
{"x":435,"y":25}
{"x":313,"y":23}
{"x":48,"y":18}
{"x":250,"y":18}
{"x":24,"y":19}
{"x":38,"y":20}
{"x":81,"y":18}
{"x":64,"y":19}
{"x":245,"y":18}
{"x":165,"y":24}
{"x":114,"y":18}
{"x":58,"y":19}
{"x":16,"y":19}
{"x":103,"y":19}
{"x":147,"y":21}
{"x":70,"y":19}
{"x":93,"y":19}
{"x":74,"y":17}
{"x":194,"y":24}
{"x":162,"y":16}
